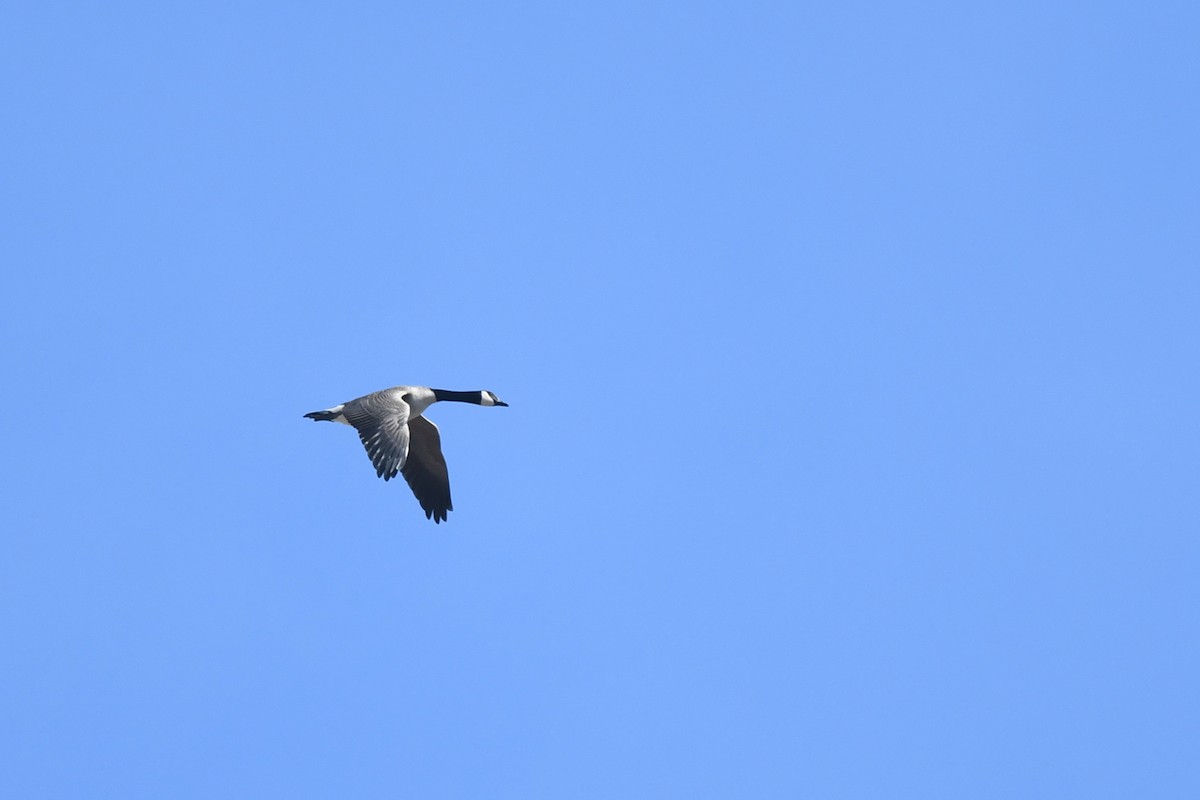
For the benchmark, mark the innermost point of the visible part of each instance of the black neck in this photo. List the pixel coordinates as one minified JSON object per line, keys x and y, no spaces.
{"x":458,"y":397}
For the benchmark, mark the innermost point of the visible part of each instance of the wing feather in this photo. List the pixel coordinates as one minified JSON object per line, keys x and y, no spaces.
{"x":382,"y":424}
{"x":425,"y":470}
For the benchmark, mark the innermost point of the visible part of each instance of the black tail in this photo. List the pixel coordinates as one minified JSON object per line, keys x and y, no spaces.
{"x":322,"y":416}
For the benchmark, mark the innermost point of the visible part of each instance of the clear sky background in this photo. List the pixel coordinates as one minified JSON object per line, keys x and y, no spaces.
{"x":852,"y":357}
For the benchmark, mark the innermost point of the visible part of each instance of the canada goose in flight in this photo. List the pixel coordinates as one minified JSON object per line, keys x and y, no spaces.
{"x":399,"y":439}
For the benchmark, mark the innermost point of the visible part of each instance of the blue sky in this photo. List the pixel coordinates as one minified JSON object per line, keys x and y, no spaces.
{"x":851,"y":352}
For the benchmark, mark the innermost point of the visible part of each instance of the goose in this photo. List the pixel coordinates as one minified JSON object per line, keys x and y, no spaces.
{"x":399,"y":439}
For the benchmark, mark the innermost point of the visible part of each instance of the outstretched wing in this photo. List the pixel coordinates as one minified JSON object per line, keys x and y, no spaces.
{"x":425,"y":470}
{"x":382,"y":424}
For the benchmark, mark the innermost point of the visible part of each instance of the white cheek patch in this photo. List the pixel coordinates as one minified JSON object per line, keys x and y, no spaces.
{"x":486,"y":399}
